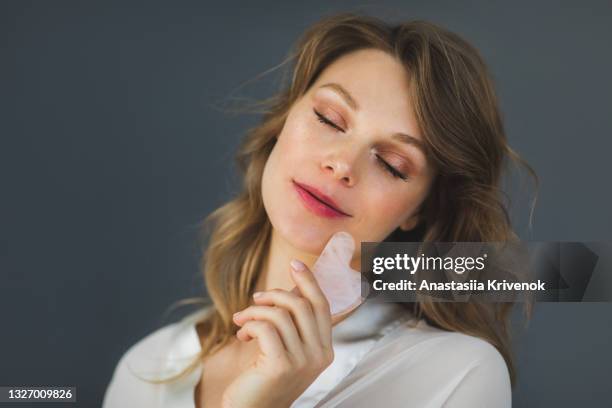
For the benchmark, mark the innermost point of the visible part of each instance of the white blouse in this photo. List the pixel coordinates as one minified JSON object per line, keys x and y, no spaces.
{"x":380,"y":358}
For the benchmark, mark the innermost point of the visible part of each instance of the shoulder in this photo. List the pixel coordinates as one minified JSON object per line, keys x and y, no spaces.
{"x":427,"y":366}
{"x":448,"y":346}
{"x":159,"y":354}
{"x":464,"y":349}
{"x":479,"y":375}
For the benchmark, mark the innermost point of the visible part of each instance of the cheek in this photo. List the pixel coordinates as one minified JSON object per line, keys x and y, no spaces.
{"x":385,"y":211}
{"x":291,"y":150}
{"x":297,"y":139}
{"x":289,"y":155}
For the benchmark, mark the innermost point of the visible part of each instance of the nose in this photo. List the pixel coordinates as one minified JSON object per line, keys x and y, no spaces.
{"x":341,"y":166}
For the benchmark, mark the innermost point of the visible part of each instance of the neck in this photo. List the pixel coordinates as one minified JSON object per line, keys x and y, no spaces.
{"x":276,"y":270}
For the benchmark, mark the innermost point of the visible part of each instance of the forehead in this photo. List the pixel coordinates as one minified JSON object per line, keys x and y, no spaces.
{"x":380,"y":85}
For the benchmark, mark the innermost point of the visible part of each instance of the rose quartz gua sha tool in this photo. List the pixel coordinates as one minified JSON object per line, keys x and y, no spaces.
{"x":339,"y":282}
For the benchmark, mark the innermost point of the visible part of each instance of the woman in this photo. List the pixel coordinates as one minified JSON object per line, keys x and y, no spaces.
{"x":388,"y":132}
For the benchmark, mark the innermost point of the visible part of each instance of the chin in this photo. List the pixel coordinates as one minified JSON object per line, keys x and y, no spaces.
{"x":303,"y":234}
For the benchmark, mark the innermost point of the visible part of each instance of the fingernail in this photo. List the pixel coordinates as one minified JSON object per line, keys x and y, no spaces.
{"x":297,"y":265}
{"x":257,"y":294}
{"x":236,"y":314}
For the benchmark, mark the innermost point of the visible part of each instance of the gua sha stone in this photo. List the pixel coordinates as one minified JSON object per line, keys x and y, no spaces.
{"x":339,"y":282}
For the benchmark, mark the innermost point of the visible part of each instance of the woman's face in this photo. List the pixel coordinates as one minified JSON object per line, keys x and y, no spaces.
{"x":376,"y":179}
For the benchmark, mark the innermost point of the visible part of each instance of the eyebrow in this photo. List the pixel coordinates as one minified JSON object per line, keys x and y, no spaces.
{"x":348,"y":98}
{"x":346,"y":95}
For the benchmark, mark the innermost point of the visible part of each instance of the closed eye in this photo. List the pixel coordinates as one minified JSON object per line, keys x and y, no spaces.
{"x":328,"y":122}
{"x":386,"y":166}
{"x":394,"y":172}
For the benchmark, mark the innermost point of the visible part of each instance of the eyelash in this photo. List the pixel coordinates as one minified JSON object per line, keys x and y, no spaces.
{"x":386,"y":166}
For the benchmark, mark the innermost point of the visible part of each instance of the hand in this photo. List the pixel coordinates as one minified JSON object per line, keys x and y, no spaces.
{"x":293,"y":331}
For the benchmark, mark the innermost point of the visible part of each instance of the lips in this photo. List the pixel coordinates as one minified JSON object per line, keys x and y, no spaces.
{"x":318,"y":195}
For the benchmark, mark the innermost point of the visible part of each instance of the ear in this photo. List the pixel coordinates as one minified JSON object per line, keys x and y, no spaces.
{"x":410,"y":223}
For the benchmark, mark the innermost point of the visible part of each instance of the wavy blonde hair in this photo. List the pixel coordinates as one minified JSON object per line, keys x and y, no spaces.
{"x":458,"y":114}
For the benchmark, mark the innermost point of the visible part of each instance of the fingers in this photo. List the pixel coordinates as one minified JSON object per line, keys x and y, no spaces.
{"x":268,"y":338}
{"x":281,"y":320}
{"x":300,"y":310}
{"x":300,"y":319}
{"x":310,"y":289}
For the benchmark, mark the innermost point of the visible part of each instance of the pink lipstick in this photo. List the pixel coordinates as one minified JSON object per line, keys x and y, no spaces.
{"x":317,"y":202}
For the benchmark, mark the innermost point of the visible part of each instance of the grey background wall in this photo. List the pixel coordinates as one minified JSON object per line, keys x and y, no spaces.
{"x":112,"y":152}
